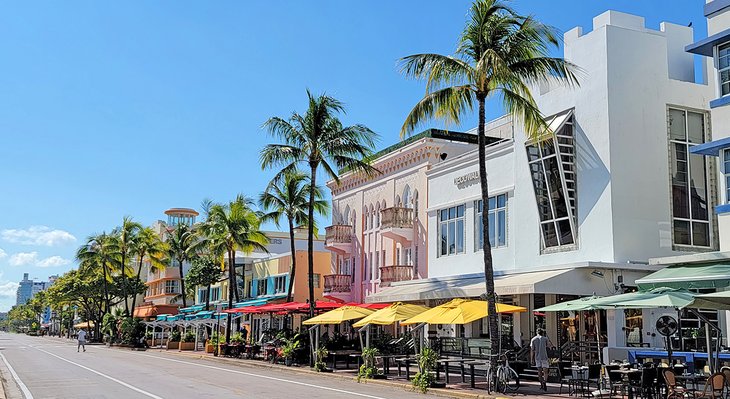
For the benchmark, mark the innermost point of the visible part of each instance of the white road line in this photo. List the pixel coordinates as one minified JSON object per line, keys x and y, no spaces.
{"x":267,"y":377}
{"x":23,"y":388}
{"x":132,"y":387}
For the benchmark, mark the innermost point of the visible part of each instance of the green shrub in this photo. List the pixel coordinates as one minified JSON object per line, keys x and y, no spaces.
{"x":426,"y":363}
{"x":368,"y":369}
{"x":189,"y":337}
{"x":175,"y":336}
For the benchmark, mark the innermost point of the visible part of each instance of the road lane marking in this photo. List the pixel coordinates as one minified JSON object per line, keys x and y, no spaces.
{"x":132,"y":387}
{"x":23,"y":388}
{"x":268,"y":377}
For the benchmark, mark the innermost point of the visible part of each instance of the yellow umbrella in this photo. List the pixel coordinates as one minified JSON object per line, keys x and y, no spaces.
{"x":85,"y":324}
{"x":395,"y":312}
{"x":460,"y":311}
{"x":339,"y":315}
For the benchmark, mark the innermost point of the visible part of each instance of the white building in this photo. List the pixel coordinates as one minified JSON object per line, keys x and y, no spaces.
{"x":583,"y":211}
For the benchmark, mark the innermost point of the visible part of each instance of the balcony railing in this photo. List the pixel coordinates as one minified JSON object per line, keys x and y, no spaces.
{"x":392,"y":274}
{"x":338,"y":234}
{"x":337,"y":283}
{"x":396,"y":218}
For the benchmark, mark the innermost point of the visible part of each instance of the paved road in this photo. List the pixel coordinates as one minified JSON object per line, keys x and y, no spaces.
{"x":51,"y":368}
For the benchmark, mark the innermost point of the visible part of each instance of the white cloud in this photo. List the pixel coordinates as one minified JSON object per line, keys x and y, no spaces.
{"x":23,"y":258}
{"x":3,"y":254}
{"x":37,"y":235}
{"x":8,"y":289}
{"x":53,"y":261}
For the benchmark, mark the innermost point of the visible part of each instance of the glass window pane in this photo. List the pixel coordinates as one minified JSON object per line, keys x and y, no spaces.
{"x":460,"y":211}
{"x":681,"y":232}
{"x":701,"y":234}
{"x":547,"y":148}
{"x":677,"y":124}
{"x":680,"y":189}
{"x":698,"y":187}
{"x":557,"y":198}
{"x":492,"y":202}
{"x":541,"y":193}
{"x":502,"y":201}
{"x":724,"y":62}
{"x":444,"y":240}
{"x":502,"y":228}
{"x":452,"y":237}
{"x":444,"y":214}
{"x":478,"y":232}
{"x":532,"y":153}
{"x":725,"y":88}
{"x":549,"y":234}
{"x":566,"y":236}
{"x":452,"y":213}
{"x":491,"y":228}
{"x":724,"y":49}
{"x":459,"y":236}
{"x":696,"y":127}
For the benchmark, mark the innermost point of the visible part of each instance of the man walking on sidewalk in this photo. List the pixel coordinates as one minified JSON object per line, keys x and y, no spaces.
{"x":82,"y":340}
{"x":539,"y":356}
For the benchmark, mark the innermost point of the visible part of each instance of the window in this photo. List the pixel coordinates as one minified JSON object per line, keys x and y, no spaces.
{"x":171,"y":287}
{"x":279,"y":284}
{"x":316,"y":280}
{"x":215,"y":294}
{"x":451,"y":230}
{"x":497,"y":216}
{"x":261,"y":287}
{"x":690,"y":208}
{"x":408,"y":260}
{"x":726,"y":172}
{"x":202,"y":295}
{"x":552,"y":168}
{"x":723,"y":68}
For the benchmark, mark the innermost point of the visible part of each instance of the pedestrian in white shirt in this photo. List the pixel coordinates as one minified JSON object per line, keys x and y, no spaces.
{"x":82,"y":340}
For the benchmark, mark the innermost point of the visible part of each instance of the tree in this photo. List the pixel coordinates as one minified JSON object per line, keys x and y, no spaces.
{"x":232,"y":226}
{"x":148,"y":245}
{"x":125,"y":235}
{"x":181,"y":246}
{"x":500,"y":55}
{"x":318,"y":139}
{"x":288,"y":198}
{"x":100,"y":253}
{"x":205,"y":272}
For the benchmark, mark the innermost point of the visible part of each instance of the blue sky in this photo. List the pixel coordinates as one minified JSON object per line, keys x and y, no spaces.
{"x":129,"y":108}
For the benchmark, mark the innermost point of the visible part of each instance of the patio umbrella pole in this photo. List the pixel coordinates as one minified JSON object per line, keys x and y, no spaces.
{"x":708,"y":342}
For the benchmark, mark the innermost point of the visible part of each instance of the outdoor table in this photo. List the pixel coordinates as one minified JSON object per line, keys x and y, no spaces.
{"x":357,"y":357}
{"x":407,"y":362}
{"x":580,"y":380}
{"x":446,"y":362}
{"x":693,"y":378}
{"x":472,"y":365}
{"x":345,"y":353}
{"x":386,"y":362}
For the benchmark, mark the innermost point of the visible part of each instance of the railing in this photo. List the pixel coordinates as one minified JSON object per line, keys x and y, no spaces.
{"x":396,"y":218}
{"x":338,"y":234}
{"x":581,"y":350}
{"x":337,"y":283}
{"x":391,"y":274}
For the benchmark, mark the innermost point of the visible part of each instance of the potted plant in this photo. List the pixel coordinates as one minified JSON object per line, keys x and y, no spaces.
{"x":320,"y":356}
{"x":188,"y":342}
{"x":368,"y":370}
{"x":289,"y":347}
{"x":211,"y":343}
{"x":174,"y":341}
{"x":424,"y":379}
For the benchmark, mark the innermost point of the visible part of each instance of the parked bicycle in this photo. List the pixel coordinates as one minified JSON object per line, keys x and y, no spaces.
{"x":503,"y":379}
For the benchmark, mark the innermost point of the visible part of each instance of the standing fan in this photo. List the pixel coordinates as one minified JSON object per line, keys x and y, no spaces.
{"x":666,"y":325}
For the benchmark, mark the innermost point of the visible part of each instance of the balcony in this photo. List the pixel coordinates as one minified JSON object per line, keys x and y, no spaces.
{"x":392,"y":274}
{"x":397,"y":224}
{"x":337,"y":283}
{"x":338,"y":238}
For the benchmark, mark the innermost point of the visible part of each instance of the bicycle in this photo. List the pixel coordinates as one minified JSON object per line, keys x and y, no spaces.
{"x":505,"y":378}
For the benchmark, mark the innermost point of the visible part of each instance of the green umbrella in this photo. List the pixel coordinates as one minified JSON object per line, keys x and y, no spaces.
{"x":655,"y":298}
{"x":585,"y":303}
{"x":716,"y":300}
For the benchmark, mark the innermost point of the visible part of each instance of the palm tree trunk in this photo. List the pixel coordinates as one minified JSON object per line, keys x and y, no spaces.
{"x":310,"y":235}
{"x":231,"y":280}
{"x":124,"y":284}
{"x":139,"y":271}
{"x":293,"y":268}
{"x":182,"y":282}
{"x":232,"y":262}
{"x":207,"y":300}
{"x":106,"y":287}
{"x":486,"y":245}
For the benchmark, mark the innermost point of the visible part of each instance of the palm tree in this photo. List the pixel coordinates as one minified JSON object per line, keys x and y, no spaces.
{"x":205,"y":272}
{"x":100,"y":251}
{"x":232,"y":226}
{"x":318,"y":139}
{"x":147,"y":245}
{"x":288,"y":198}
{"x":124,"y":235}
{"x":500,"y":55}
{"x":181,"y":246}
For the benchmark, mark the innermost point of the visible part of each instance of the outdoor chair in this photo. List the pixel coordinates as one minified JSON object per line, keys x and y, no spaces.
{"x":566,"y":380}
{"x":643,"y":385}
{"x":726,"y":372}
{"x":714,"y":387}
{"x":673,"y":389}
{"x":594,"y":376}
{"x":615,"y":380}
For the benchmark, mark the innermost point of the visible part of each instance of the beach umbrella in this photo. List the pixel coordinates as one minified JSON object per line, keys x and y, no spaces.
{"x":395,"y":312}
{"x":460,"y":311}
{"x":339,"y":315}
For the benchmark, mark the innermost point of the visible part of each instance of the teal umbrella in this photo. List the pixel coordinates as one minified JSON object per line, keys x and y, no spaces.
{"x":655,"y":298}
{"x":716,"y":300}
{"x":585,"y":303}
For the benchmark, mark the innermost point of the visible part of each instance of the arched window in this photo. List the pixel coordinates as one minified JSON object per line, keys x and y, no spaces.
{"x":354,"y":222}
{"x":407,"y":197}
{"x":377,"y":216}
{"x":398,"y":202}
{"x":346,"y":215}
{"x":370,"y":216}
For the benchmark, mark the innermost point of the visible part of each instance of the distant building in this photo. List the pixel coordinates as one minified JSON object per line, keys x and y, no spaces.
{"x":28,"y":288}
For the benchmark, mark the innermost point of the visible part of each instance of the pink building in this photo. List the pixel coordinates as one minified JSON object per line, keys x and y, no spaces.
{"x":378,"y":234}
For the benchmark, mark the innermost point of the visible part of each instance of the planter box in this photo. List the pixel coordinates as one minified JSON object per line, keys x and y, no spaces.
{"x":149,"y":342}
{"x":209,"y":348}
{"x":187,"y":346}
{"x":173,"y":345}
